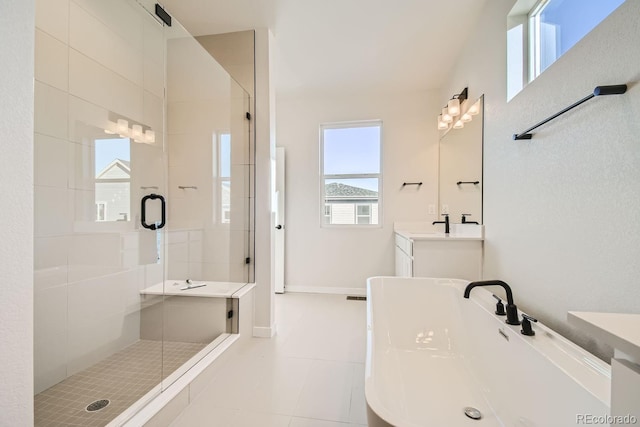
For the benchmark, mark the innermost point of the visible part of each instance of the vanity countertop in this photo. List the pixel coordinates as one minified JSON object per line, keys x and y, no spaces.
{"x":621,"y":331}
{"x":458,"y":232}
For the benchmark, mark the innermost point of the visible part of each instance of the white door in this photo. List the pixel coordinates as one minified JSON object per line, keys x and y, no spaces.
{"x":280,"y":221}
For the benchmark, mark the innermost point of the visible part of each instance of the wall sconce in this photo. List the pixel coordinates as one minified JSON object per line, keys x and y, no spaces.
{"x":452,"y":113}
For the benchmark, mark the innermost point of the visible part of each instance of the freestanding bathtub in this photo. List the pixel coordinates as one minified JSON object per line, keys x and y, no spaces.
{"x":431,"y":353}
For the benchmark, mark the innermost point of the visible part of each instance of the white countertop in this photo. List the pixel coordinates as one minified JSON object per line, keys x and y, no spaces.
{"x":619,"y":330}
{"x":458,"y":232}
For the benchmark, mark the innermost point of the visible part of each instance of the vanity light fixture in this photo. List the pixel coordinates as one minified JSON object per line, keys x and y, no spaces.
{"x":138,"y":132}
{"x":452,"y":113}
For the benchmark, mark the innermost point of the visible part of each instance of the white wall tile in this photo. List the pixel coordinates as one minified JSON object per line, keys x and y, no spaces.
{"x":121,"y":17}
{"x":50,"y":311}
{"x":178,"y":252}
{"x":51,"y":111}
{"x":51,"y":252}
{"x":195,"y":271}
{"x":90,"y":36}
{"x":52,"y":211}
{"x":52,"y":16}
{"x":154,"y":43}
{"x":195,"y":251}
{"x":50,"y":161}
{"x":94,"y":299}
{"x":94,"y":340}
{"x":51,"y":61}
{"x":101,"y":86}
{"x":100,"y":249}
{"x":49,"y":361}
{"x":153,"y":113}
{"x":49,"y":277}
{"x":153,"y":77}
{"x":153,"y":274}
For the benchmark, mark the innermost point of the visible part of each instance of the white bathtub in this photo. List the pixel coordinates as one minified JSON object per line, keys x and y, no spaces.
{"x":431,"y":353}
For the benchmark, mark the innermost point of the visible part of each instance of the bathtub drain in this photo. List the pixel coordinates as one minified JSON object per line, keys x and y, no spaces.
{"x":97,"y":405}
{"x":472,"y":413}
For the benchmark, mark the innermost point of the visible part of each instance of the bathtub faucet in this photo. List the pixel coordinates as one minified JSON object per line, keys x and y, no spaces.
{"x":512,"y":309}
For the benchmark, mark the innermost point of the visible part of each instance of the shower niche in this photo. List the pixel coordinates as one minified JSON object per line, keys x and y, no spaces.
{"x":143,"y":184}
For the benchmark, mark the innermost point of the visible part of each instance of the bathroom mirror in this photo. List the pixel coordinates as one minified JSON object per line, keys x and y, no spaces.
{"x":460,"y":174}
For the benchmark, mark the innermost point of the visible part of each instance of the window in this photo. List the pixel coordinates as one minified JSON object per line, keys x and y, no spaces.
{"x":551,"y":28}
{"x":223,"y":184}
{"x":351,"y":176}
{"x":101,"y":211}
{"x":112,"y":179}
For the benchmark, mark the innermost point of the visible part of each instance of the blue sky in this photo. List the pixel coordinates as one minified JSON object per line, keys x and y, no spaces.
{"x":563,"y":13}
{"x":107,"y":150}
{"x":353,"y":150}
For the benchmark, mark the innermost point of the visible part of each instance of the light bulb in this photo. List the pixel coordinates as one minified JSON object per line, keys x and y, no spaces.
{"x":122,"y":127}
{"x":149,"y":136}
{"x":446,"y":117}
{"x":475,"y":108}
{"x":466,"y":117}
{"x":458,"y":125}
{"x":136,"y":133}
{"x":441,"y":125}
{"x":454,"y":107}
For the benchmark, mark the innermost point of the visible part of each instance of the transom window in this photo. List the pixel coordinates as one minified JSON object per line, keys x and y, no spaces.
{"x":351,"y":179}
{"x":539,"y":32}
{"x":223,"y":177}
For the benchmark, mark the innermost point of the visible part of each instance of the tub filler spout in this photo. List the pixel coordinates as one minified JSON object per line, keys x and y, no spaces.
{"x":512,"y":309}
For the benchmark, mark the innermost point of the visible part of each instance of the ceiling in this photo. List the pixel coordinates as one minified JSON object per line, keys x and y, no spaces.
{"x":346,"y":46}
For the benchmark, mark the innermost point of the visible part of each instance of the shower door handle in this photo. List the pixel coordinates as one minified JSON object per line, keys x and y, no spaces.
{"x":143,"y":213}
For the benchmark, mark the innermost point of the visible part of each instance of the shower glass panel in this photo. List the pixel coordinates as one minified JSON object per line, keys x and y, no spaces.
{"x":99,"y":131}
{"x":210,"y":181}
{"x":127,"y":111}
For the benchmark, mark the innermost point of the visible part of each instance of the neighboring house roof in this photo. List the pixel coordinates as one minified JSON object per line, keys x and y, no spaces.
{"x":336,"y":190}
{"x":117,"y":169}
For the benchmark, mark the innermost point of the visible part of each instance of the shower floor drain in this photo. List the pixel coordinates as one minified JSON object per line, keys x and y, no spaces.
{"x":97,"y":405}
{"x":356,"y":298}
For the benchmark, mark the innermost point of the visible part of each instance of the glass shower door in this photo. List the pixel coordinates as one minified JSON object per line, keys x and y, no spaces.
{"x":99,"y":132}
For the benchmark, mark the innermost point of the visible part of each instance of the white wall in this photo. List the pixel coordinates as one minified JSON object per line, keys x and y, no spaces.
{"x":16,"y":213}
{"x":340,"y":259}
{"x":265,"y":121}
{"x":561,"y":210}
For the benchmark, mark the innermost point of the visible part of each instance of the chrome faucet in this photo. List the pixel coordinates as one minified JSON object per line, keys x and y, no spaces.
{"x":512,"y":309}
{"x":445,"y":222}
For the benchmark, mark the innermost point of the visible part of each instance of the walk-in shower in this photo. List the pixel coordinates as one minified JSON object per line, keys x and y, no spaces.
{"x":143,"y":206}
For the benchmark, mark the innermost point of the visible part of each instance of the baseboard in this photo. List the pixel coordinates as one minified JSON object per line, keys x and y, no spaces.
{"x":327,"y":290}
{"x":264,"y":331}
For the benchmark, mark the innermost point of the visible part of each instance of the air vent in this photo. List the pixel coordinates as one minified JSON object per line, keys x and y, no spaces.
{"x":356,"y":298}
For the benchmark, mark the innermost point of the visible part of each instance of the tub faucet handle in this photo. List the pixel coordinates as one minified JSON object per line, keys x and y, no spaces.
{"x":526,"y":325}
{"x":499,"y":306}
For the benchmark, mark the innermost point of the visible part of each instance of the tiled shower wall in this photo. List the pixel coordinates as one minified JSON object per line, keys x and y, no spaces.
{"x":203,"y":101}
{"x":93,"y":58}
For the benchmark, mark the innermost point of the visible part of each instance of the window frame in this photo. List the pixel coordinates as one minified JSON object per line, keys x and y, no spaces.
{"x":323,"y":177}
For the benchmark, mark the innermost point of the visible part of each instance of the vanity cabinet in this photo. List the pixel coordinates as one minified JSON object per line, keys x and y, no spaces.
{"x":438,"y":255}
{"x":404,"y":256}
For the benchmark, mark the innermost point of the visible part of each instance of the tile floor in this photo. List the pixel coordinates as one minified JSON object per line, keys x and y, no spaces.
{"x":122,"y":378}
{"x":310,"y":375}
